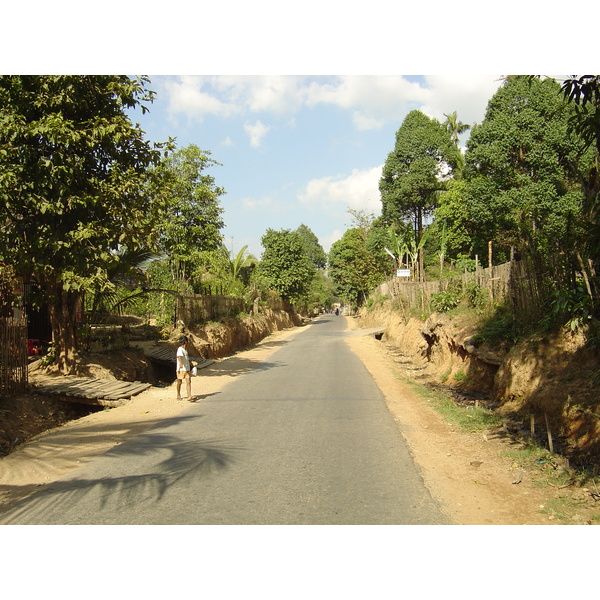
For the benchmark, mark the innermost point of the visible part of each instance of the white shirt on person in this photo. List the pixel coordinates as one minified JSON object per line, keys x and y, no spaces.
{"x":184,"y":364}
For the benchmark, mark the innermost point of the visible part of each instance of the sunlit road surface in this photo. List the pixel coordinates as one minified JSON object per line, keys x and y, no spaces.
{"x":303,"y":438}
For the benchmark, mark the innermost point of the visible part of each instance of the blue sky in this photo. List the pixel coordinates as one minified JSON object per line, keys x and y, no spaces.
{"x":301,"y":149}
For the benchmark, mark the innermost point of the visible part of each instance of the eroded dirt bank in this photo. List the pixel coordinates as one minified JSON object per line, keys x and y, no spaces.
{"x":555,"y":378}
{"x":215,"y":340}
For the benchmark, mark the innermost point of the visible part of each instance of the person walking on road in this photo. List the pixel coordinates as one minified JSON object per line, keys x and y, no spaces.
{"x":183,"y":368}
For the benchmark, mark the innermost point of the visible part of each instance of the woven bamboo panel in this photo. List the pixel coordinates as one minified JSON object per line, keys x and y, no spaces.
{"x":13,"y":355}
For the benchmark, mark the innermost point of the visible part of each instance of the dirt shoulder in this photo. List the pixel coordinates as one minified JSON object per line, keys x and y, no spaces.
{"x":466,"y":474}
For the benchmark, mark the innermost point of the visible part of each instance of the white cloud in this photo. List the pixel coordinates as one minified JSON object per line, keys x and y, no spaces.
{"x":365,"y":123}
{"x":251,"y":205}
{"x":227,"y":142}
{"x":377,"y":93}
{"x":372,"y":100}
{"x":359,"y":191}
{"x":228,"y":95}
{"x":277,"y":93}
{"x":256,"y":132}
{"x":468,"y":95}
{"x":187,"y":96}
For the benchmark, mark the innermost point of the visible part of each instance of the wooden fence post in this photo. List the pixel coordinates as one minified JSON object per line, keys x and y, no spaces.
{"x":490,"y":282}
{"x":550,"y":445}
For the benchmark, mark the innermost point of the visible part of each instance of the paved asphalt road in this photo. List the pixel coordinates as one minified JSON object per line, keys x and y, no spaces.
{"x":304,"y":438}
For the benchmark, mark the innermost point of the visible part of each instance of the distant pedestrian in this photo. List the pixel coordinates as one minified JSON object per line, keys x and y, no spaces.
{"x":184,"y":368}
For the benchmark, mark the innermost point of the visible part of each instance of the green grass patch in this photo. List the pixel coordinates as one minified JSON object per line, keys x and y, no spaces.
{"x":469,"y":419}
{"x":496,"y":327}
{"x":571,"y":506}
{"x":461,"y":376}
{"x":444,"y":376}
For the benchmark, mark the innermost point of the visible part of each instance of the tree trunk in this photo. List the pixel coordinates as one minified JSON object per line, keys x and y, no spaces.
{"x":584,"y":272}
{"x":420,"y":249}
{"x":62,"y":305}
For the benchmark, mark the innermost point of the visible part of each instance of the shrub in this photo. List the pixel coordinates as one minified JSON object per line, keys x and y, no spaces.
{"x":572,"y":307}
{"x":445,"y":301}
{"x":497,"y":328}
{"x":475,"y":295}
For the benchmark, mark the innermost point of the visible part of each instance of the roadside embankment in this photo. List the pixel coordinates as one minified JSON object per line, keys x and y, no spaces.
{"x":550,"y":382}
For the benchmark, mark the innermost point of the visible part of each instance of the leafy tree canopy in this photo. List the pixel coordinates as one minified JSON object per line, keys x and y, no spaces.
{"x":73,"y":184}
{"x":191,"y":220}
{"x":451,"y":214}
{"x":523,"y":169}
{"x":423,"y":156}
{"x":584,"y":93}
{"x":353,"y":267}
{"x":313,"y":248}
{"x":285,"y":265}
{"x":73,"y":173}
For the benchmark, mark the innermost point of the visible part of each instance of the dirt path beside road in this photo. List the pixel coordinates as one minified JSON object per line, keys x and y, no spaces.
{"x":467,"y":474}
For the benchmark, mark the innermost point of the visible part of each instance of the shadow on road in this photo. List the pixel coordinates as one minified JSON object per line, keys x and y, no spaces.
{"x":170,"y":461}
{"x":170,"y":458}
{"x":236,"y":366}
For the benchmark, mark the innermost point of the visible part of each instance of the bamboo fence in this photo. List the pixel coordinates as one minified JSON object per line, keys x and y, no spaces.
{"x":516,"y":282}
{"x":13,"y":355}
{"x":198,"y":308}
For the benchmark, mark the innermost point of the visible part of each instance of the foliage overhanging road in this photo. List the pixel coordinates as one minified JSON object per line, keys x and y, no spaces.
{"x":303,"y":438}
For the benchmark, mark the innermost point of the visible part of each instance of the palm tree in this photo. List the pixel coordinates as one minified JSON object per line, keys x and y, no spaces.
{"x":125,"y":269}
{"x":454,"y":126}
{"x":240,"y":261}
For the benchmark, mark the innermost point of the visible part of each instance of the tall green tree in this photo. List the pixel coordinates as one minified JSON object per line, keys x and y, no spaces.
{"x":523,"y":170}
{"x":313,"y":248}
{"x":423,"y":157}
{"x":285,"y":265}
{"x":353,"y":268}
{"x":583,"y":94}
{"x":191,"y":213}
{"x":74,"y":175}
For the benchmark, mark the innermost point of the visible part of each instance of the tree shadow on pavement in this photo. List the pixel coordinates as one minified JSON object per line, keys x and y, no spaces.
{"x":236,"y":366}
{"x":170,"y":461}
